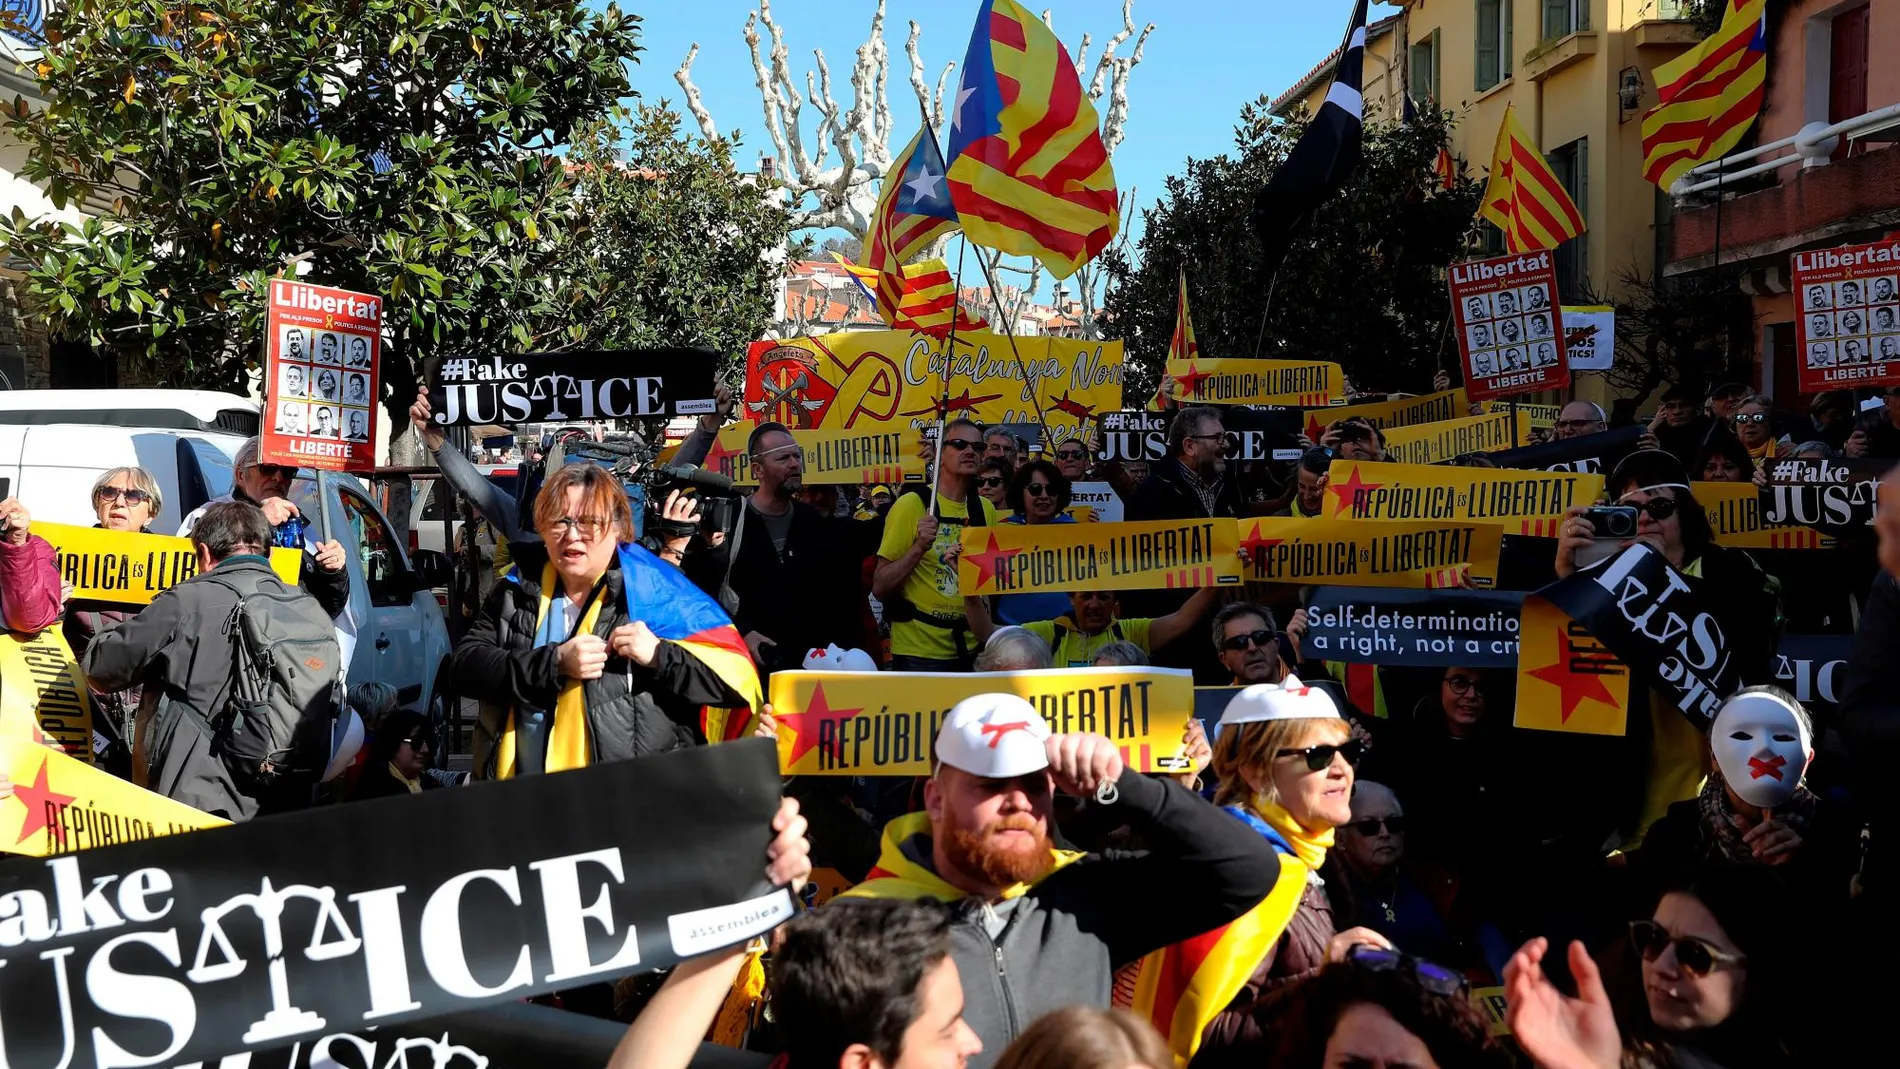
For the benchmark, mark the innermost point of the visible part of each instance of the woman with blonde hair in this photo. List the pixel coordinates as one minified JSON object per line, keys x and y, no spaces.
{"x":124,"y":499}
{"x":1084,"y":1037}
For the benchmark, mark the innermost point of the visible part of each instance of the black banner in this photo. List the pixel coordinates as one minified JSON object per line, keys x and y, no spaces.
{"x":1809,"y":667}
{"x":585,"y":385}
{"x":1413,"y":628}
{"x":1837,"y":497}
{"x":1644,"y":611}
{"x":333,"y":920}
{"x":1255,"y":432}
{"x":1592,"y":454}
{"x":1134,"y":435}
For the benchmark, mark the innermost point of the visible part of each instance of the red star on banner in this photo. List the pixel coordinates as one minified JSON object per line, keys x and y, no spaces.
{"x":1348,"y":491}
{"x":1191,"y":382}
{"x":805,"y":725}
{"x":1315,"y":430}
{"x":987,"y":561}
{"x":1572,"y":687}
{"x":1254,"y":545}
{"x":38,"y":799}
{"x":716,"y":457}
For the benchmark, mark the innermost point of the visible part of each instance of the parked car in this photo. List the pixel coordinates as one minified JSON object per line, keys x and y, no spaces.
{"x":50,"y":467}
{"x":425,"y":516}
{"x":177,"y":410}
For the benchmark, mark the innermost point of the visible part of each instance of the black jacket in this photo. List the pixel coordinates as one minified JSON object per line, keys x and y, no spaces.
{"x":1870,"y":725}
{"x":1165,"y":495}
{"x":808,"y":596}
{"x":632,"y":711}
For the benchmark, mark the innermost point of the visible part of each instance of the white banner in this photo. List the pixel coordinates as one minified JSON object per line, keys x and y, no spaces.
{"x":1590,"y":336}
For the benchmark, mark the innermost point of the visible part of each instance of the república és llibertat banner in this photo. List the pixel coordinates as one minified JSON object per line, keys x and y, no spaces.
{"x":1524,"y":502}
{"x":1305,"y":383}
{"x":132,"y":567}
{"x":875,"y":453}
{"x":1153,"y":554}
{"x":1426,"y":554}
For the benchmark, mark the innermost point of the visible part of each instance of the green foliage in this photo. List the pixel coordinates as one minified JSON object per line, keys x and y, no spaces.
{"x":1363,"y":283}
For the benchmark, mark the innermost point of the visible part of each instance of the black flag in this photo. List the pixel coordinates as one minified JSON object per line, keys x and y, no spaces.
{"x":1326,"y":155}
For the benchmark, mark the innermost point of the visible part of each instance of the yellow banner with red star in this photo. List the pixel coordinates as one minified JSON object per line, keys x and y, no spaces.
{"x":1010,"y":558}
{"x":60,"y":805}
{"x":886,"y":723}
{"x":1524,"y":502}
{"x":1419,"y":554}
{"x":41,"y":686}
{"x":1302,"y":383}
{"x":1402,"y":412}
{"x":1566,"y":679}
{"x":870,"y":453}
{"x":1435,"y":443}
{"x":1734,"y":511}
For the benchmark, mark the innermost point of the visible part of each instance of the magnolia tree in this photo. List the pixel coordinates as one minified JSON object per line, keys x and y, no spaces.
{"x":832,"y":170}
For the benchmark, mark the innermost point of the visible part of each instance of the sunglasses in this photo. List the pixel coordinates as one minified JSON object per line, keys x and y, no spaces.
{"x":1657,"y":508}
{"x":419,"y":742}
{"x":1375,"y":825}
{"x":1751,"y":417}
{"x":989,"y":482}
{"x":962,"y":445}
{"x":1071,"y":454}
{"x":1037,"y":489}
{"x":276,"y":471}
{"x":107,"y":494}
{"x":1696,"y":956}
{"x":1432,"y":977}
{"x":1319,"y":758}
{"x":1236,"y":643}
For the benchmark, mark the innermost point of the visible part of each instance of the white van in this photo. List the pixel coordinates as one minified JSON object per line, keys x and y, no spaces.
{"x":51,"y":467}
{"x":177,"y":410}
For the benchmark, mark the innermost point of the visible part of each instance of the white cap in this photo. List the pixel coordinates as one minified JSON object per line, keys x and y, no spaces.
{"x":833,"y":659}
{"x":1288,"y":699}
{"x":996,"y":736}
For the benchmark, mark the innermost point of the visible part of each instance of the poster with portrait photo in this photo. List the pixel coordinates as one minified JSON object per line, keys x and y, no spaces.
{"x":1502,"y":354}
{"x":322,"y":351}
{"x":1849,"y":302}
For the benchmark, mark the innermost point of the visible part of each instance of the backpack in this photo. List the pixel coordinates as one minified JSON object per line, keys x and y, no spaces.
{"x":286,"y":683}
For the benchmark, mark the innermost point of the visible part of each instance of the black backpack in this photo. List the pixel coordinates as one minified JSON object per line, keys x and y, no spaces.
{"x":286,"y":684}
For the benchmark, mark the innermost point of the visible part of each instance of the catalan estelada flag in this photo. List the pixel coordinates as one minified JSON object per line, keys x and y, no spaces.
{"x":1029,"y":173}
{"x":678,"y":611}
{"x":1523,"y":197}
{"x":913,"y":210}
{"x":930,"y":298}
{"x":1446,"y":168}
{"x":1709,"y":95}
{"x":1181,"y":346}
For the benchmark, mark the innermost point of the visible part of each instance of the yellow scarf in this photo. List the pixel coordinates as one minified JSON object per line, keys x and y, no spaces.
{"x":415,"y":786}
{"x":568,"y":744}
{"x":897,"y":876}
{"x":1768,"y":450}
{"x":1309,"y":846}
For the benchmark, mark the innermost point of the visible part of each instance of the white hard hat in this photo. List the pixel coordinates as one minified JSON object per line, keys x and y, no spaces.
{"x":834,"y":659}
{"x":996,"y":736}
{"x":1288,"y":699}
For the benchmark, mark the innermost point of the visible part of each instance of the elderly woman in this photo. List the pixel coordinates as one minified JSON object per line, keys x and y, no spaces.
{"x":398,"y":758}
{"x":124,"y":499}
{"x":569,"y":674}
{"x":1753,"y":424}
{"x":1039,"y":495}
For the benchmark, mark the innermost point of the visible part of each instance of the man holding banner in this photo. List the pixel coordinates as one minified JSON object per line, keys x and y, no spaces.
{"x":1094,"y":622}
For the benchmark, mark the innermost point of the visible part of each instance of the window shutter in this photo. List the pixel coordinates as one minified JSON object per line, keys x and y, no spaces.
{"x":1504,"y":50}
{"x":1556,"y":18}
{"x":1488,"y":34}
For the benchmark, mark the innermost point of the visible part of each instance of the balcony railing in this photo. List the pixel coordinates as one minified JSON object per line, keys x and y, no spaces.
{"x":1811,"y":147}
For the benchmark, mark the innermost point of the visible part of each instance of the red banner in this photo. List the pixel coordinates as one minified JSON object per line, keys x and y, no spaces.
{"x":320,"y":390}
{"x":1848,"y":332}
{"x":1510,"y":329}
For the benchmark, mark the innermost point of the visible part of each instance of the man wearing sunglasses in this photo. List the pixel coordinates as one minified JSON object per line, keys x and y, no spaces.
{"x":267,"y":486}
{"x":916,"y":576}
{"x":1072,"y":459}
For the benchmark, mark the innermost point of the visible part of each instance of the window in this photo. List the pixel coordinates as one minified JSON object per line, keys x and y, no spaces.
{"x":1571,"y":164}
{"x":384,"y":571}
{"x":1494,"y":42}
{"x":1847,"y":70}
{"x":1423,"y":73}
{"x":1565,"y":17}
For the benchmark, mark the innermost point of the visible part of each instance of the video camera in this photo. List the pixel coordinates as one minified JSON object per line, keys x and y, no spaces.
{"x":631,"y":460}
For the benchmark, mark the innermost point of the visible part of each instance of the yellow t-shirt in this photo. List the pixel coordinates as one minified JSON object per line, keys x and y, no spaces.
{"x":1073,"y":649}
{"x":932,"y":585}
{"x":1677,"y":768}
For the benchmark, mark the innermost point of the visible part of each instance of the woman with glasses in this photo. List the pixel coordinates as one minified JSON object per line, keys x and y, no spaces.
{"x":1039,"y":495}
{"x":124,"y":499}
{"x":1755,"y":427}
{"x":992,"y":481}
{"x":397,"y":761}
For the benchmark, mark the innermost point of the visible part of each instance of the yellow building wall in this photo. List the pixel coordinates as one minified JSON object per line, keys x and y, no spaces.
{"x":1384,"y":81}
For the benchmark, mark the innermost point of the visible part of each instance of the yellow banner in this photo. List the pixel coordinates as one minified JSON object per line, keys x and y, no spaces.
{"x":868,"y":453}
{"x":1734,"y":511}
{"x":1490,"y":1002}
{"x":60,"y":805}
{"x":886,"y":723}
{"x":1009,"y":558}
{"x":1417,"y":555}
{"x":41,"y":683}
{"x":1543,"y":417}
{"x":1404,"y":412}
{"x":1566,"y":679}
{"x":1305,"y":383}
{"x":131,"y":568}
{"x":890,"y":376}
{"x":1525,"y":502}
{"x":1434,"y":443}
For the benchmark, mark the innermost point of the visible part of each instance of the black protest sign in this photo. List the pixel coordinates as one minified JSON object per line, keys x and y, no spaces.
{"x":1809,"y":667}
{"x":175,"y":950}
{"x":1262,"y":432}
{"x":1592,"y":454}
{"x":1134,"y":436}
{"x":1647,"y":614}
{"x":584,"y":385}
{"x":1413,"y":628}
{"x":1833,"y":496}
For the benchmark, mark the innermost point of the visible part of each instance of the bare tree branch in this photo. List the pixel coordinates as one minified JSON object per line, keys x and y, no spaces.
{"x":694,"y":105}
{"x":942,"y":80}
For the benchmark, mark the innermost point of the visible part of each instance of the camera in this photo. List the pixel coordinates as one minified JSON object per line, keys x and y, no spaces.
{"x":647,"y":483}
{"x":1611,"y":521}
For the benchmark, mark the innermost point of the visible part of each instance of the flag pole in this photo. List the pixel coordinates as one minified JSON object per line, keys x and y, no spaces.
{"x":1009,"y":331}
{"x":949,"y":348}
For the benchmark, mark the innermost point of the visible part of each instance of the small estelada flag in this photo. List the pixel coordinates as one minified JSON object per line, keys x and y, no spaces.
{"x":1566,"y":679}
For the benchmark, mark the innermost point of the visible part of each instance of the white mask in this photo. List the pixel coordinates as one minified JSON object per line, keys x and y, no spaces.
{"x":1762,"y":746}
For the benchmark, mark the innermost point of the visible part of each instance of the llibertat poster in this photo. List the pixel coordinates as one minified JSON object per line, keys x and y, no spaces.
{"x":1510,"y":329}
{"x":320,"y":384}
{"x":1848,"y":332}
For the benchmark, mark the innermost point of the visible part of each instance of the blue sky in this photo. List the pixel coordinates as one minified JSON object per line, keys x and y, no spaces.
{"x":1204,"y":60}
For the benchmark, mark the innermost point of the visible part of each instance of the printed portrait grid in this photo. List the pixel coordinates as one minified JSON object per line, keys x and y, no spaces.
{"x":1510,"y":330}
{"x":323,"y":384}
{"x":1853,"y":322}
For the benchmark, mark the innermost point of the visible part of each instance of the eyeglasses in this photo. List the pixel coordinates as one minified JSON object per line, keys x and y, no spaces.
{"x":1461,"y":684}
{"x":989,"y":482}
{"x":1431,"y":976}
{"x":1751,"y":417}
{"x":1696,"y":956}
{"x":962,"y":445}
{"x":108,"y":494}
{"x":1037,"y":489}
{"x":588,"y":527}
{"x":1236,"y":643}
{"x":1375,"y":825}
{"x":1221,"y":436}
{"x":1321,"y":757}
{"x":279,"y":471}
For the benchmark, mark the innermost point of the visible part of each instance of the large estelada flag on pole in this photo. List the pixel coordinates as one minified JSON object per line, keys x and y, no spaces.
{"x":913,"y":210}
{"x":930,"y":297}
{"x":1181,"y":346}
{"x":1524,"y":197}
{"x":1029,"y":172}
{"x":1709,"y":96}
{"x":1326,"y":155}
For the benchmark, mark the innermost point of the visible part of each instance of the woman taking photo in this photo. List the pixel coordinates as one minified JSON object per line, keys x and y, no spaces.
{"x":568,"y":677}
{"x":1039,"y":495}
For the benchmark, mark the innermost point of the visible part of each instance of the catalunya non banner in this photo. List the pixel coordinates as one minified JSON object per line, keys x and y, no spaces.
{"x":1646,"y":613}
{"x":130,"y":567}
{"x":869,"y":454}
{"x":1524,"y":502}
{"x":1013,"y":558}
{"x":1302,"y":383}
{"x":1590,"y":454}
{"x":322,"y":398}
{"x":886,"y":723}
{"x":40,"y":684}
{"x":1435,"y":443}
{"x":1413,"y":628}
{"x":1739,"y":522}
{"x":1848,"y":332}
{"x":189,"y":948}
{"x":1400,"y":412}
{"x":1567,"y":680}
{"x":60,"y":805}
{"x":1510,"y":331}
{"x":1418,"y":554}
{"x":891,"y":376}
{"x":585,"y":384}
